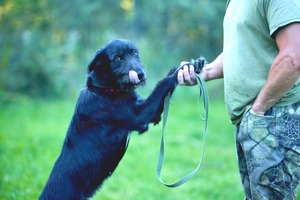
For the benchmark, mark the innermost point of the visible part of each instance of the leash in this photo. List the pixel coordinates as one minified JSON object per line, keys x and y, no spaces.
{"x":204,"y":93}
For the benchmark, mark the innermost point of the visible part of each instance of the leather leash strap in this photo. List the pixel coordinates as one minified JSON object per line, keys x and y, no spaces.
{"x":203,"y":92}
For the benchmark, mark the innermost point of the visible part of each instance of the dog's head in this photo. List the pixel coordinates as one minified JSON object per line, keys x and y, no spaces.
{"x":117,"y":66}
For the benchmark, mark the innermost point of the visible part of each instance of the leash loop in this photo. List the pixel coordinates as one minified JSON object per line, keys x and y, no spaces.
{"x":204,"y":93}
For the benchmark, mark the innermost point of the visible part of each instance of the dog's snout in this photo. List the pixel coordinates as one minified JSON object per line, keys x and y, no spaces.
{"x":140,"y":73}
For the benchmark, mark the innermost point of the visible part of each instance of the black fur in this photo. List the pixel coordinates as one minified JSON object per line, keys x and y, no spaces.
{"x":105,"y":114}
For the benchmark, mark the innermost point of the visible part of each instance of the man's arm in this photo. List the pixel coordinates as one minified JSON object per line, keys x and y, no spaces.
{"x":285,"y":69}
{"x":211,"y":71}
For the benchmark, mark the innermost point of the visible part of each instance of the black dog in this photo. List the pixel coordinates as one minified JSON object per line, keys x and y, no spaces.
{"x":105,"y":114}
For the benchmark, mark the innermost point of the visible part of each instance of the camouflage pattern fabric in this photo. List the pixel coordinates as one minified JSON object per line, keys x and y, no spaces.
{"x":268,"y":149}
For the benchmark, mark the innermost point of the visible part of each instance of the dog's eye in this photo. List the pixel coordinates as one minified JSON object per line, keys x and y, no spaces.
{"x":118,"y":58}
{"x":135,"y":53}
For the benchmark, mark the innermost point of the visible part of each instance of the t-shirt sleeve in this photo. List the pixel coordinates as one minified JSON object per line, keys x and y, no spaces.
{"x":281,"y":13}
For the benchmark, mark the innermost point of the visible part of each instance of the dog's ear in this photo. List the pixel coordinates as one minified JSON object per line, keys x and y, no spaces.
{"x":97,"y":60}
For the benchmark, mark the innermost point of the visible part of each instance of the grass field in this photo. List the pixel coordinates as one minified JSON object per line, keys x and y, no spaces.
{"x":32,"y":132}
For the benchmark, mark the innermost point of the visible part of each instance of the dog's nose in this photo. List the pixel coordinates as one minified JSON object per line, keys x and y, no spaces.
{"x":140,"y":73}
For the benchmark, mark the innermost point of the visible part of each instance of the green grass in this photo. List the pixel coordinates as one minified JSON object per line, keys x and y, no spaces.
{"x":32,"y":132}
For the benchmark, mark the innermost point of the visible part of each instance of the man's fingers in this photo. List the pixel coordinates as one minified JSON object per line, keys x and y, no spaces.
{"x":192,"y":73}
{"x":186,"y":75}
{"x":180,"y":78}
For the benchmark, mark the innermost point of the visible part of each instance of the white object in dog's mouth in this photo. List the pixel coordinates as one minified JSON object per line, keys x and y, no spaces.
{"x":133,"y":77}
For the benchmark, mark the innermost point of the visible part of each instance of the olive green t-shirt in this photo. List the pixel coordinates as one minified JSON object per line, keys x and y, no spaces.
{"x":250,"y":48}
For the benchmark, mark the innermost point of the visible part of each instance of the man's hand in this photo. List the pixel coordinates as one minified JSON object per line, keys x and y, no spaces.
{"x":186,"y":76}
{"x":214,"y":70}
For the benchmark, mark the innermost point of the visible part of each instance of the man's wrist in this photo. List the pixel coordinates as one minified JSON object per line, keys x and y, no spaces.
{"x":257,"y":113}
{"x":258,"y":109}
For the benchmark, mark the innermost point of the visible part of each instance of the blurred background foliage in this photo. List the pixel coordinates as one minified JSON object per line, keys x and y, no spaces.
{"x":46,"y":45}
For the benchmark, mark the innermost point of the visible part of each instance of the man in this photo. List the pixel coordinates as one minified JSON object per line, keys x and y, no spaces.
{"x":260,"y":64}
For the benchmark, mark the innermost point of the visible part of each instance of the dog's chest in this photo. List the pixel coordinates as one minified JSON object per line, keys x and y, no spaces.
{"x":119,"y":104}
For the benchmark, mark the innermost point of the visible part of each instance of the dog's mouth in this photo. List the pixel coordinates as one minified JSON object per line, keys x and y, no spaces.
{"x":136,"y":78}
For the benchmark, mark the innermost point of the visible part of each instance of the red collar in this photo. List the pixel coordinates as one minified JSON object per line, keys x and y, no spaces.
{"x":106,"y":90}
{"x":111,"y":90}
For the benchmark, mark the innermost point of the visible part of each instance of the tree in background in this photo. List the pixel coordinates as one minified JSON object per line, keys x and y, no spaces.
{"x":45,"y":45}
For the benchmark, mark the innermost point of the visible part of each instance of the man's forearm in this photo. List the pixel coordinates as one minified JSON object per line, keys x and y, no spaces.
{"x":284,"y":71}
{"x":214,"y":70}
{"x":282,"y":76}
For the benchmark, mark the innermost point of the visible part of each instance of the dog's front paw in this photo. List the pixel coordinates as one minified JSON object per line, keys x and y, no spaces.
{"x":156,"y":120}
{"x":143,"y":129}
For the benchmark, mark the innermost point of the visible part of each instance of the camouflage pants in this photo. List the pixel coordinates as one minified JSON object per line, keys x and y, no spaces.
{"x":268,"y":149}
